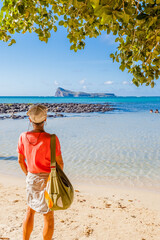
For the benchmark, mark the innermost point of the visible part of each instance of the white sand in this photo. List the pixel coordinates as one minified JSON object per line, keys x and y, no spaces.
{"x":98,"y":213}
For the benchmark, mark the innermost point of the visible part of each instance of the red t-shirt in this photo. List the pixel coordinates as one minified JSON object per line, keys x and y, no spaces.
{"x":36,"y":149}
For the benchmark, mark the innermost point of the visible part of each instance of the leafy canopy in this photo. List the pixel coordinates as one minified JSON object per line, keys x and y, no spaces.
{"x":135,"y":23}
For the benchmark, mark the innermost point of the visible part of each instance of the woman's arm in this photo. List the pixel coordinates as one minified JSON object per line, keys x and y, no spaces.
{"x":59,"y":160}
{"x":21,"y":161}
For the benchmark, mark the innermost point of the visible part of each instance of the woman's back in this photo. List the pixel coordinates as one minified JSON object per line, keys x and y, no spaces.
{"x":35,"y":146}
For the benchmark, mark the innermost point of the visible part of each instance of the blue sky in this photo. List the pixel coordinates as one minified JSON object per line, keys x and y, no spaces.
{"x":33,"y":68}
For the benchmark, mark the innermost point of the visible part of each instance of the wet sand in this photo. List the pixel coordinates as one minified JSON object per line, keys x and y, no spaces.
{"x":97,"y":213}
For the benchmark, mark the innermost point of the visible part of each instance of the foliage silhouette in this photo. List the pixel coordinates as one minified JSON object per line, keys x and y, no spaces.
{"x":135,"y":23}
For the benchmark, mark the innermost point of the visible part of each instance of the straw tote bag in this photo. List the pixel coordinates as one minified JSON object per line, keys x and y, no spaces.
{"x":59,"y":191}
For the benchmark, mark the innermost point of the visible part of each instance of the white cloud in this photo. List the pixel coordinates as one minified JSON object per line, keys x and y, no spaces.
{"x":108,"y":82}
{"x":56,"y":83}
{"x":84,"y":87}
{"x":82,"y":81}
{"x":126,"y":83}
{"x":109,"y":38}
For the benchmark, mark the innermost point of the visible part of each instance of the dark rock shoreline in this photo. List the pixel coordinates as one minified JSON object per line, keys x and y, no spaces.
{"x":56,"y":108}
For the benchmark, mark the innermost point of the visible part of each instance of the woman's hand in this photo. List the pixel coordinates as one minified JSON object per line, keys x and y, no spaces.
{"x":21,"y":161}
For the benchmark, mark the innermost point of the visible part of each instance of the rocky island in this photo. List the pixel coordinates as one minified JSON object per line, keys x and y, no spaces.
{"x":61,"y":92}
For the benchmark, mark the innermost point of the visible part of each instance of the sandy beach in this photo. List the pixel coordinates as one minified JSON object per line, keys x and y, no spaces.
{"x":97,"y":213}
{"x":113,"y":163}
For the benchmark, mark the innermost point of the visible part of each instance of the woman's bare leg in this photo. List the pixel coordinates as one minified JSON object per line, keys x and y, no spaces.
{"x":28,"y":223}
{"x":48,"y":226}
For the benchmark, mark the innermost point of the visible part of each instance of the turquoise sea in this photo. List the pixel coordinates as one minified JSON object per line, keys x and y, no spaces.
{"x":126,"y":104}
{"x":119,"y":147}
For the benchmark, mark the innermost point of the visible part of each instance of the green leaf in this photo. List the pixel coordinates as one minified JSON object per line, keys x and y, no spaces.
{"x":75,"y":4}
{"x":111,"y":55}
{"x":119,"y":14}
{"x":152,"y":84}
{"x":72,"y":47}
{"x":61,"y":23}
{"x":142,"y":16}
{"x":4,"y":8}
{"x":21,"y":8}
{"x":117,"y":59}
{"x":55,"y":28}
{"x":65,"y":17}
{"x":106,"y":18}
{"x":98,"y":10}
{"x":158,"y":38}
{"x":55,"y":17}
{"x":125,"y":18}
{"x":107,"y":11}
{"x":122,"y":67}
{"x":136,"y":83}
{"x":108,"y":31}
{"x":11,"y":42}
{"x":94,"y":3}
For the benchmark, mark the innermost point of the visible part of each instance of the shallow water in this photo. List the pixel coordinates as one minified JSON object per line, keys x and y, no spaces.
{"x":120,"y":148}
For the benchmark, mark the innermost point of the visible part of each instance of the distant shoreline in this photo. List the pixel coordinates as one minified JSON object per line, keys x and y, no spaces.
{"x":57,"y":108}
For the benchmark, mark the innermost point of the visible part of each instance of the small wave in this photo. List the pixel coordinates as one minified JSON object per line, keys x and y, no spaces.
{"x":9,"y":158}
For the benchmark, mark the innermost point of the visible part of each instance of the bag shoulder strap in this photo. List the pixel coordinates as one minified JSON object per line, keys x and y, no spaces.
{"x":53,"y":150}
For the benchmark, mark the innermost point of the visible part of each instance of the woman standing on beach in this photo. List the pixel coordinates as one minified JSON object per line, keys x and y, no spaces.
{"x":34,"y":146}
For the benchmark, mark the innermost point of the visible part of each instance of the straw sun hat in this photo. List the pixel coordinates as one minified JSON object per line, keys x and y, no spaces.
{"x":37,"y":113}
